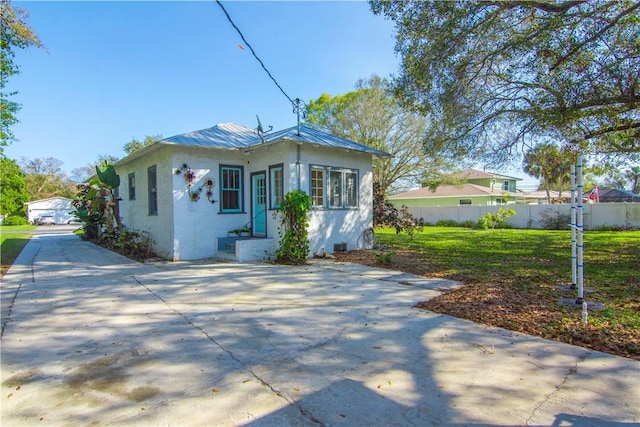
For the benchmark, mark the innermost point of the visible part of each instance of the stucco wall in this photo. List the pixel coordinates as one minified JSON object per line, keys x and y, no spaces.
{"x":529,"y":216}
{"x":185,"y":230}
{"x":135,"y":213}
{"x":330,"y":226}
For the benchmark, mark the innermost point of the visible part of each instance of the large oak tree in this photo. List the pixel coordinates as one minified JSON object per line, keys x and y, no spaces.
{"x":502,"y":76}
{"x":372,"y":116}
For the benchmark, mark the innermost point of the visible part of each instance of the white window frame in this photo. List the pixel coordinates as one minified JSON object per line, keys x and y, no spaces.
{"x":276,"y":186}
{"x":340,"y":187}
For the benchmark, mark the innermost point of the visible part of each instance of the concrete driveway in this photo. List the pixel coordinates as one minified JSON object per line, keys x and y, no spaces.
{"x":93,"y":338}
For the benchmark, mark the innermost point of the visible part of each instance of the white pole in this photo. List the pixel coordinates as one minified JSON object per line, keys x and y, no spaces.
{"x":580,"y":240}
{"x":573,"y":228}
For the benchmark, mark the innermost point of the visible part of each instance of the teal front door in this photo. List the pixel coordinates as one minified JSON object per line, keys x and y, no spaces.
{"x":259,"y":204}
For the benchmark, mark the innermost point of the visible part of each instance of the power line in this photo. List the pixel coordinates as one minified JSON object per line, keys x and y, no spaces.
{"x":255,"y":55}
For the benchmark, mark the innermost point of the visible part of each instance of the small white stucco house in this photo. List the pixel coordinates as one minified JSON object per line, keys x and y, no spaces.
{"x":59,"y":207}
{"x":188,"y":191}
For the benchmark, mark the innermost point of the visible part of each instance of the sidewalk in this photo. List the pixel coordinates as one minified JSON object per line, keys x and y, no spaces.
{"x":94,"y":338}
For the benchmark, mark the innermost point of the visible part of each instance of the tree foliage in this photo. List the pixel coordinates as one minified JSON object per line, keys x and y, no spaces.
{"x":13,"y":194}
{"x":96,"y":204}
{"x":15,"y":34}
{"x":497,"y":76}
{"x":44,"y":178}
{"x":85,"y":172}
{"x":135,"y":145}
{"x":550,"y":164}
{"x":370,"y":115}
{"x":633,"y":175}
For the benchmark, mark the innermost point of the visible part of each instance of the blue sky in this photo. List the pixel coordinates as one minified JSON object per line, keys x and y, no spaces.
{"x":114,"y":71}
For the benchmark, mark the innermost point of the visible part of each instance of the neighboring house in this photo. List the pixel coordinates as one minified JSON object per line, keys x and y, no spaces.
{"x":59,"y":207}
{"x":539,"y":197}
{"x":478,"y":188}
{"x":188,"y":191}
{"x":609,"y":195}
{"x":494,"y":181}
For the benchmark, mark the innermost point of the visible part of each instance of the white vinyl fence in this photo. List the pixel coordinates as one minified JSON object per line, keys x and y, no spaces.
{"x":625,"y":215}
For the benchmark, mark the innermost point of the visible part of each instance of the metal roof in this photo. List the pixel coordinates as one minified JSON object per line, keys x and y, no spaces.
{"x":224,"y":135}
{"x":233,"y":136}
{"x":313,"y":136}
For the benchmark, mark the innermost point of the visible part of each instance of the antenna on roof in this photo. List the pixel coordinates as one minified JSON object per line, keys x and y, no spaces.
{"x":260,"y":129}
{"x":299,"y":110}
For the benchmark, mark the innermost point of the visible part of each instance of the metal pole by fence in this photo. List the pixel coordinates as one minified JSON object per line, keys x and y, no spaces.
{"x":580,"y":237}
{"x":573,"y":229}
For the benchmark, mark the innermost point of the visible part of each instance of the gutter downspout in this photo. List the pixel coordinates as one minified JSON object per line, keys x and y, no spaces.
{"x":298,"y":164}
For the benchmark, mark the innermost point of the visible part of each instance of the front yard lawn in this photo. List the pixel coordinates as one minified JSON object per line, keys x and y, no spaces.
{"x":13,"y":239}
{"x":511,"y":279}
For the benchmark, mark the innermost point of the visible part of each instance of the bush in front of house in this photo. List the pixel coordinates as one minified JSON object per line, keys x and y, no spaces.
{"x":386,"y":214}
{"x":294,"y":211}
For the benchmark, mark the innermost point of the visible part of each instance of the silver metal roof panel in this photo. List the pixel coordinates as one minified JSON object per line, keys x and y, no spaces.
{"x":313,"y":136}
{"x":233,"y":136}
{"x":225,"y":135}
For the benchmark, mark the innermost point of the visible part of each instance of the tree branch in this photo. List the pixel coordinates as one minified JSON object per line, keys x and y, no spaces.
{"x":579,"y":46}
{"x":609,"y":129}
{"x":541,"y":5}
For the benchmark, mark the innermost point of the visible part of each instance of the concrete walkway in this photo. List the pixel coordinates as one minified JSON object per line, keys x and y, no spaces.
{"x":93,"y":338}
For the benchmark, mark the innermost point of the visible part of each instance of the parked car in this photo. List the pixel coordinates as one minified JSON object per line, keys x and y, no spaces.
{"x":46,"y":220}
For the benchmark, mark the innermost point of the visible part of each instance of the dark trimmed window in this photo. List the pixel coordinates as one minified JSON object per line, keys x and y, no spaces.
{"x":132,"y":186}
{"x":152,"y":186}
{"x":231,"y":187}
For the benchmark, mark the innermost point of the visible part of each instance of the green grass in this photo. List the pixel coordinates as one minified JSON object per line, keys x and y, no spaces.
{"x":12,"y":240}
{"x":513,"y":276}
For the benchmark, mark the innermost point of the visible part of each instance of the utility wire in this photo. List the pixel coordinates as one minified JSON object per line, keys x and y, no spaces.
{"x":254,"y":53}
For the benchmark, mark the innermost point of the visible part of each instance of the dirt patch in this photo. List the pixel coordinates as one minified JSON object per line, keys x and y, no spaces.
{"x":496,"y":301}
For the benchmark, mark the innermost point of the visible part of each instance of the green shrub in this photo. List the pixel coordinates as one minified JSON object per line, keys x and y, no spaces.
{"x":469,"y":223}
{"x":294,"y":219}
{"x":130,"y":243}
{"x":15,"y":220}
{"x":495,"y":220}
{"x":386,"y":214}
{"x":606,"y":227}
{"x":446,"y":223}
{"x":551,"y":219}
{"x":384,"y":257}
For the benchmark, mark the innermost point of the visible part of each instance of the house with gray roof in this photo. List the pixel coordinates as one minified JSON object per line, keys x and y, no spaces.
{"x":190,"y":191}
